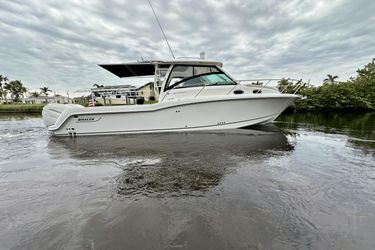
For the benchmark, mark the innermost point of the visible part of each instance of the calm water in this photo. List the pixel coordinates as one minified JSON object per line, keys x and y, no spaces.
{"x":308,"y":182}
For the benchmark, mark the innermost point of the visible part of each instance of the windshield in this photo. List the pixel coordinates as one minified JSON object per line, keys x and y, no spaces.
{"x":182,"y":72}
{"x":208,"y":79}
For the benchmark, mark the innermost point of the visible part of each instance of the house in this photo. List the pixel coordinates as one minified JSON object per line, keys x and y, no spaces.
{"x":123,"y":94}
{"x":115,"y":95}
{"x":47,"y":99}
{"x":147,"y":91}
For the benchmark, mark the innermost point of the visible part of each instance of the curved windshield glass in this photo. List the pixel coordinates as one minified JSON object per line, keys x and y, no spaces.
{"x":181,"y":72}
{"x":208,"y":79}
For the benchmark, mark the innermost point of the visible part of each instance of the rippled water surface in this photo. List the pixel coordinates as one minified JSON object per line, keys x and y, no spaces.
{"x":307,"y":182}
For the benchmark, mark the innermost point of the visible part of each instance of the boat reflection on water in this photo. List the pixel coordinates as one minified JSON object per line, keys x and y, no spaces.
{"x":172,"y":164}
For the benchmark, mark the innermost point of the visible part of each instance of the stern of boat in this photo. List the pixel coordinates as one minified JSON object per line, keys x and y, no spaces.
{"x":52,"y":111}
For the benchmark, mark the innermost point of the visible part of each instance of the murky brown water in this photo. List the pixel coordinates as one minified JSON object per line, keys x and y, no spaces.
{"x":306,"y":183}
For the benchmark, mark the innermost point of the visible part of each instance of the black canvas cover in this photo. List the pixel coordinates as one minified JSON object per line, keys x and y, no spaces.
{"x":131,"y":69}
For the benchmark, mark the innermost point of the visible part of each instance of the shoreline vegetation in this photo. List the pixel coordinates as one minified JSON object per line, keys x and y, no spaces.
{"x":354,"y":95}
{"x":21,"y":108}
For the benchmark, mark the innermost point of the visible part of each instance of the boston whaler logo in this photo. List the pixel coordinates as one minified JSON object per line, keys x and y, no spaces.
{"x":88,"y":118}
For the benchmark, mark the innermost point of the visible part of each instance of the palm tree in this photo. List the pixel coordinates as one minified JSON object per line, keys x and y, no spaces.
{"x":3,"y":80}
{"x":3,"y":91}
{"x":330,"y":79}
{"x":35,"y":94}
{"x":44,"y":91}
{"x":16,"y":89}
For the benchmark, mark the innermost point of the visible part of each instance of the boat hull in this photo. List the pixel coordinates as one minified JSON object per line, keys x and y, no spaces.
{"x":174,"y":117}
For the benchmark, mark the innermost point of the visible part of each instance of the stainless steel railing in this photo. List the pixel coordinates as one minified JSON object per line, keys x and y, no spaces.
{"x":296,"y":84}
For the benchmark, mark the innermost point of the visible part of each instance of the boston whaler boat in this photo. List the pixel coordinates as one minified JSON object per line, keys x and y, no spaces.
{"x":192,"y":95}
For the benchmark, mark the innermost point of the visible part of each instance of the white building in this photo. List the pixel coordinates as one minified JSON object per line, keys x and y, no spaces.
{"x":116,"y":95}
{"x":147,"y":91}
{"x":47,"y":99}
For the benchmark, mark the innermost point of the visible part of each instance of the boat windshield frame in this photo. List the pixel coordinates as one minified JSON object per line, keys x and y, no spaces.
{"x":219,"y":71}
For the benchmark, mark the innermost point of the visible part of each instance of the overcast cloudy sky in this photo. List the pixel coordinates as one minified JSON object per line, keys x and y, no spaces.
{"x":59,"y":43}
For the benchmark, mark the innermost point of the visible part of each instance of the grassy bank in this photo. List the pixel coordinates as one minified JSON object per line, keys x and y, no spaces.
{"x":21,"y":108}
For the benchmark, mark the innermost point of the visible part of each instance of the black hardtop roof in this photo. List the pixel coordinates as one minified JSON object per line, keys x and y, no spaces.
{"x":147,"y":68}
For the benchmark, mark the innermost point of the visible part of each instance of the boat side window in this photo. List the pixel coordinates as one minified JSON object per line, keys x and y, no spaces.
{"x":181,"y":72}
{"x":208,"y":79}
{"x":162,"y":70}
{"x":204,"y":70}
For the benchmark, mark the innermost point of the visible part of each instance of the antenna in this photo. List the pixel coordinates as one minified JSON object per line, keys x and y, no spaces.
{"x":161,"y":28}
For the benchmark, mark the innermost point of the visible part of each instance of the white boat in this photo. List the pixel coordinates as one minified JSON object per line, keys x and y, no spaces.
{"x":192,"y":95}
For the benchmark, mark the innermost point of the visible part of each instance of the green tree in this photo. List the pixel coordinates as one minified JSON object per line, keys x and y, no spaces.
{"x":364,"y":85}
{"x":356,"y":94}
{"x":35,"y":94}
{"x":367,"y":73}
{"x":44,"y":91}
{"x":3,"y":91}
{"x":290,"y":86}
{"x":16,"y":90}
{"x":330,"y":79}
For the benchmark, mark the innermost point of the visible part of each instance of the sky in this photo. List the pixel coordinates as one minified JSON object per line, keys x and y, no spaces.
{"x":59,"y":44}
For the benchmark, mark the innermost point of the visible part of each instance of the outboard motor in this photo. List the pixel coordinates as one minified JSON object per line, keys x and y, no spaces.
{"x":52,"y":111}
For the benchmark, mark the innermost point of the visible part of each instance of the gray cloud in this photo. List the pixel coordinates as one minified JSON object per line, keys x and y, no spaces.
{"x":60,"y":43}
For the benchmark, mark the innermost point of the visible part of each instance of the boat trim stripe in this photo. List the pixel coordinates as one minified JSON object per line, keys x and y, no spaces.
{"x":163,"y":129}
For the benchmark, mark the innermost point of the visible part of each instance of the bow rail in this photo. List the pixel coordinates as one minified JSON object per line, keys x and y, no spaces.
{"x":282,"y":84}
